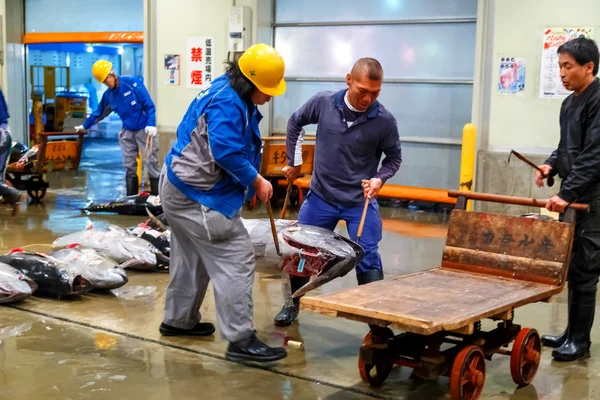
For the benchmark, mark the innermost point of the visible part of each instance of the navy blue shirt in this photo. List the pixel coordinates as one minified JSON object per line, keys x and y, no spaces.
{"x":344,"y":155}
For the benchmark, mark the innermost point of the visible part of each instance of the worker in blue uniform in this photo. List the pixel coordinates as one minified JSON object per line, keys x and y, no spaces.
{"x":11,"y":195}
{"x":128,"y":97}
{"x":353,"y":131}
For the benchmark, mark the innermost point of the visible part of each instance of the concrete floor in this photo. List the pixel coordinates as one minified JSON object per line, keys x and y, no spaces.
{"x":106,"y":346}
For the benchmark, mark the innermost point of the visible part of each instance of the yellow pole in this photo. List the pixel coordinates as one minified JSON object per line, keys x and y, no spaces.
{"x":467,"y":159}
{"x":139,"y":167}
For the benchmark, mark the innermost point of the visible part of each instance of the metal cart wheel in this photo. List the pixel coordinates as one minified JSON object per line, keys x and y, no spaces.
{"x":376,"y":370}
{"x":525,"y":357}
{"x":36,"y":188}
{"x":468,"y":374}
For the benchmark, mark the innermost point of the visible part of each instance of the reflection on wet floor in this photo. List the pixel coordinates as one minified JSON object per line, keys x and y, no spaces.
{"x":45,"y":358}
{"x":108,"y":345}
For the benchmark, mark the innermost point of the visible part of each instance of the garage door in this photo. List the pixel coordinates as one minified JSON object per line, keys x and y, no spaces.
{"x":427,"y":50}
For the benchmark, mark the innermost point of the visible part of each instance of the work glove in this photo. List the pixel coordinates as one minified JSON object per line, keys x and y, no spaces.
{"x":80,"y":129}
{"x":151,"y":131}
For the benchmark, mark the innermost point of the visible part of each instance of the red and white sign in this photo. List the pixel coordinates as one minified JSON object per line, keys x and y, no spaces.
{"x":199,"y":59}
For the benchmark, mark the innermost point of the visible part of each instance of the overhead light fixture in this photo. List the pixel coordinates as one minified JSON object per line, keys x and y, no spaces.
{"x":89,"y":49}
{"x":120,"y":50}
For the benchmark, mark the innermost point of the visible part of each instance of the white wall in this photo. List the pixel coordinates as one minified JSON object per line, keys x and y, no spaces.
{"x":172,"y":26}
{"x":530,"y":123}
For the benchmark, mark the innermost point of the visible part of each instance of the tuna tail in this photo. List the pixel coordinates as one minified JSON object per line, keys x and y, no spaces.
{"x":157,"y":221}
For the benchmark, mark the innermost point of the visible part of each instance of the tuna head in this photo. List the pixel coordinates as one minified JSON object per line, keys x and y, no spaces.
{"x":313,"y":251}
{"x":14,"y":285}
{"x":52,"y":276}
{"x":100,"y":271}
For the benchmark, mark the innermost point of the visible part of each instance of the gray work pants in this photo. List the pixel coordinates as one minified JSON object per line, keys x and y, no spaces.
{"x":131,"y":142}
{"x":205,"y":246}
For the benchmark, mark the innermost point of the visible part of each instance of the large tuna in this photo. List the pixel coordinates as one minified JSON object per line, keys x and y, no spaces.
{"x":100,"y":271}
{"x":14,"y":285}
{"x":118,"y":244}
{"x":131,"y":205}
{"x":305,"y":250}
{"x":159,"y":239}
{"x":51,"y":275}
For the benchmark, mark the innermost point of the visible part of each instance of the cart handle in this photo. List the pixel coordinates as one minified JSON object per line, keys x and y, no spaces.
{"x":62,"y":133}
{"x":520,"y":201}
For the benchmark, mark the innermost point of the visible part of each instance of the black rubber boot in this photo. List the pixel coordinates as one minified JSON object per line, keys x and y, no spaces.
{"x":133,"y":186}
{"x":557,"y":341}
{"x":154,"y":186}
{"x":372,"y":275}
{"x":252,"y":349}
{"x":288,"y":315}
{"x":581,"y":316}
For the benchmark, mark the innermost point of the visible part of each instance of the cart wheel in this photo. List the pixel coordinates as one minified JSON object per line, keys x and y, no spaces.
{"x":525,"y":357}
{"x":377,"y":371}
{"x":468,"y":374}
{"x":36,"y":188}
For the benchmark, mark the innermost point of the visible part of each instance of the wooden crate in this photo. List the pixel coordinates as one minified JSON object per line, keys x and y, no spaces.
{"x":274,"y":157}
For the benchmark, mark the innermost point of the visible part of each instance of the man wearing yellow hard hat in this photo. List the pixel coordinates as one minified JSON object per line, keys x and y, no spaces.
{"x":209,"y":172}
{"x":128,"y":97}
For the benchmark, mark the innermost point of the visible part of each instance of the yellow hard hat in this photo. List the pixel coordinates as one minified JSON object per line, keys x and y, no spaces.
{"x":101,"y":69}
{"x":263,"y":65}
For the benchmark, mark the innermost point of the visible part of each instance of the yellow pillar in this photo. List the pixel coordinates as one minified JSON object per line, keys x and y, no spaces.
{"x":467,"y":159}
{"x":139,"y":167}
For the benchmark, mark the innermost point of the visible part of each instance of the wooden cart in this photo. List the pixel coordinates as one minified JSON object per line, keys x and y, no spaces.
{"x":274,"y":158}
{"x":491,"y":265}
{"x":58,"y":151}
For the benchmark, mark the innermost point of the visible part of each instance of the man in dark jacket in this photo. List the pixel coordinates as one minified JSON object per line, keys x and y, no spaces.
{"x":577,"y":162}
{"x":353,"y":131}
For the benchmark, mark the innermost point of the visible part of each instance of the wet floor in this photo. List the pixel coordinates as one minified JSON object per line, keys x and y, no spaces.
{"x":104,"y":345}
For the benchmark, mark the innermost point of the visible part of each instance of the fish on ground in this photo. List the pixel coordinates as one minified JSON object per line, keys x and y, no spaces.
{"x":131,"y":205}
{"x":15,"y":286}
{"x":102,"y":272}
{"x":118,"y":244}
{"x":159,"y":239}
{"x":51,"y":275}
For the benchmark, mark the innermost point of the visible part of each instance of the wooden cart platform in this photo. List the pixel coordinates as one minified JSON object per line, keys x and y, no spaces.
{"x":491,"y":265}
{"x":406,"y":302}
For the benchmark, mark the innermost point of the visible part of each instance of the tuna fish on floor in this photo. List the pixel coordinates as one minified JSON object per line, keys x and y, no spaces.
{"x":51,"y":275}
{"x":102,"y":272}
{"x":131,"y":205}
{"x":119,"y":245}
{"x":14,"y":285}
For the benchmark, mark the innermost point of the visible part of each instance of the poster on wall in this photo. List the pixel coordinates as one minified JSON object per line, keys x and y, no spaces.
{"x":511,"y":80}
{"x":550,"y":85}
{"x":200,"y":63}
{"x":172,"y":69}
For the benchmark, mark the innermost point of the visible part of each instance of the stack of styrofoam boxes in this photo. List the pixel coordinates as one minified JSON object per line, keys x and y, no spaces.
{"x":110,"y":127}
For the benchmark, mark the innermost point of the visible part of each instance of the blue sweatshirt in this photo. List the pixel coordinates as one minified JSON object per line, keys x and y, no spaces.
{"x":216,"y":156}
{"x":344,"y":155}
{"x":131,"y":101}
